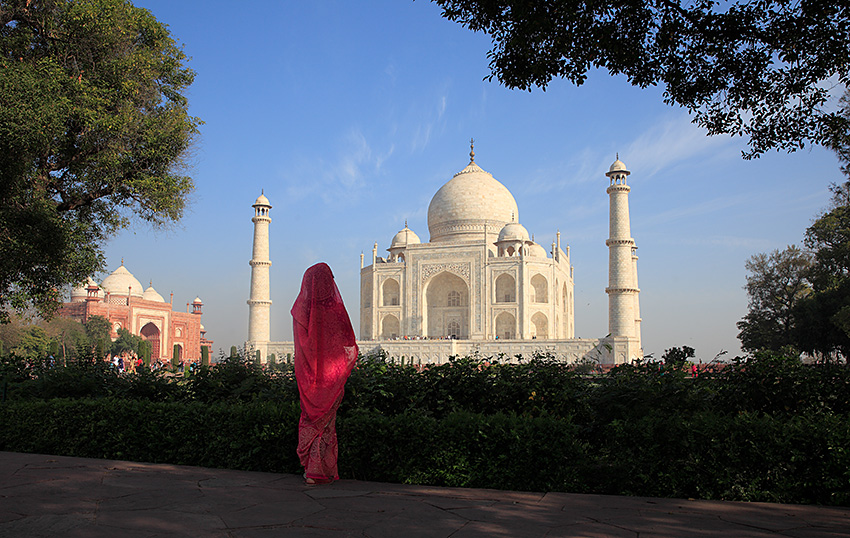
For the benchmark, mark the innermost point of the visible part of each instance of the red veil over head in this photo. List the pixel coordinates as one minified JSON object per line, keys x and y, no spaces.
{"x":325,"y":348}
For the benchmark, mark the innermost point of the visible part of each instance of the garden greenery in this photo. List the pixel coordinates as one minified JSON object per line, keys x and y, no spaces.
{"x":763,"y":428}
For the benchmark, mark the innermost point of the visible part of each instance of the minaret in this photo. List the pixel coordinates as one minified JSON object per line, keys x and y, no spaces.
{"x":622,"y":290}
{"x":260,"y":302}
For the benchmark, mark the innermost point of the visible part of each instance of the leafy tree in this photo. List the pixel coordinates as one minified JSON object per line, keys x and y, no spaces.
{"x":678,"y":356}
{"x":68,"y":335}
{"x":98,"y":330}
{"x":34,"y":344}
{"x":756,"y":68}
{"x":775,"y":285}
{"x":829,"y":238}
{"x":144,"y":351}
{"x":94,"y":129}
{"x":825,"y":316}
{"x":125,"y":342}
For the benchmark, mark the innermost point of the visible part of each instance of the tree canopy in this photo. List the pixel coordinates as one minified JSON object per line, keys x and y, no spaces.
{"x":775,"y":284}
{"x":94,"y":130}
{"x":761,"y":69}
{"x":824,"y":317}
{"x":802,"y":298}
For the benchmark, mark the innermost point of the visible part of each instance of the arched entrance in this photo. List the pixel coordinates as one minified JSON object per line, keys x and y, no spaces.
{"x":390,"y":292}
{"x":539,"y":326}
{"x":506,"y":326}
{"x":446,"y":307}
{"x":389,"y":327}
{"x":150,"y":332}
{"x":505,"y":289}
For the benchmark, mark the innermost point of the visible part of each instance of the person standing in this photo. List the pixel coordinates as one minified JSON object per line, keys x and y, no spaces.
{"x":325,"y":354}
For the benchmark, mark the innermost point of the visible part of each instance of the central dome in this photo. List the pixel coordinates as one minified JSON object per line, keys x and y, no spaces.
{"x":469,"y":203}
{"x":122,"y":282}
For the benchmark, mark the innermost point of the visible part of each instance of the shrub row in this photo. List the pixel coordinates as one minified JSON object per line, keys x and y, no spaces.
{"x":771,"y":384}
{"x":745,"y":456}
{"x":257,"y":437}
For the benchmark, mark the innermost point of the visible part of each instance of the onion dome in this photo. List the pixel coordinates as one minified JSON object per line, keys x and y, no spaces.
{"x":405,"y":237}
{"x":471,"y":202}
{"x":262,"y":200}
{"x":79,"y":293}
{"x":513,"y":231}
{"x":197,"y":301}
{"x":537,"y":251}
{"x":151,"y":294}
{"x":122,"y":282}
{"x":618,"y":166}
{"x":617,"y":170}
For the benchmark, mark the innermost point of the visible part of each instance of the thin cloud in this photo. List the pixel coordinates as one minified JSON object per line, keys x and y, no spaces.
{"x":704,"y":208}
{"x":343,"y":175}
{"x":433,"y":119}
{"x":668,"y":143}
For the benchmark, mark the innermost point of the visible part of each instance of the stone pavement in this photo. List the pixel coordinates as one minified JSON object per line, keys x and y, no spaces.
{"x":55,"y":496}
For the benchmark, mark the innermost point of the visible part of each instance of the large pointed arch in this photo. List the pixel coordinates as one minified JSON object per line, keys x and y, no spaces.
{"x":150,"y":332}
{"x":445,"y":301}
{"x":505,"y":288}
{"x":506,"y":326}
{"x":390,"y":292}
{"x":540,"y":287}
{"x":390,"y":327}
{"x":540,"y":326}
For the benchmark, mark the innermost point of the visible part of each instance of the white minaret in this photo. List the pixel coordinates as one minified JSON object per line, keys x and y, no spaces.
{"x":622,"y":290}
{"x":260,"y":302}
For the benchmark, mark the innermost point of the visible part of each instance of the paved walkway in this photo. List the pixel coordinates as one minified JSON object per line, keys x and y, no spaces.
{"x":54,"y":496}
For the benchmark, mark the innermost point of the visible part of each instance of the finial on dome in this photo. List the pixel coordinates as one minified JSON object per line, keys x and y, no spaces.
{"x":617,"y":155}
{"x":472,"y":150}
{"x":122,"y":261}
{"x":405,"y":223}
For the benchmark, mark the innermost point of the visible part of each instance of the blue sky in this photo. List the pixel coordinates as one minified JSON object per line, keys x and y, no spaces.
{"x":350,"y":116}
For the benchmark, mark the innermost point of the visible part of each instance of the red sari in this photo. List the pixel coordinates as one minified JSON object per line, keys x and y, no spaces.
{"x":325,"y":353}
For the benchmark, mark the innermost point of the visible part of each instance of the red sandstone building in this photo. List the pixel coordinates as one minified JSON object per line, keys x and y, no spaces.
{"x":120,"y":299}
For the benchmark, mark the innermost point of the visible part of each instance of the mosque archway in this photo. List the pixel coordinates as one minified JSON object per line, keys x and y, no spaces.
{"x":150,"y":332}
{"x":505,"y":289}
{"x":446,"y":307}
{"x":506,"y":326}
{"x":390,"y":327}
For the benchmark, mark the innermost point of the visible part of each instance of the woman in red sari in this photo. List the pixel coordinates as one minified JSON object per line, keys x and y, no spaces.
{"x":325,"y":353}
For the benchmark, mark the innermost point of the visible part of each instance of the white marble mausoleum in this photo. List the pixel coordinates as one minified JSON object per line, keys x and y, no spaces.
{"x":480,"y":284}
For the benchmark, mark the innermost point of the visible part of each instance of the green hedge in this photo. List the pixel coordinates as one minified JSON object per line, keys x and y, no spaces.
{"x":254,"y":436}
{"x":745,"y":456}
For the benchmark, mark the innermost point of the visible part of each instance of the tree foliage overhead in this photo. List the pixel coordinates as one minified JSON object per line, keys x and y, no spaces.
{"x":94,"y":129}
{"x":762,"y":69}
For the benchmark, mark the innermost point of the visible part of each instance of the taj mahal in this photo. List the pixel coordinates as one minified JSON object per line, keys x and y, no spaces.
{"x":479,"y":285}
